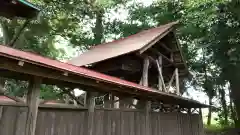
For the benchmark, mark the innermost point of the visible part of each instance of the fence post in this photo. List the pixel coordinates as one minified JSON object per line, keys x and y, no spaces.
{"x":32,"y":103}
{"x":91,"y":107}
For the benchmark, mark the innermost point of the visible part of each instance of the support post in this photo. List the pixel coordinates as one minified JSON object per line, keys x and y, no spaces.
{"x":201,"y":127}
{"x":160,"y":76}
{"x":116,"y":104}
{"x":177,"y":82}
{"x":147,"y":103}
{"x":145,"y":72}
{"x":144,"y":80}
{"x":32,"y":103}
{"x":107,"y":101}
{"x":91,"y":107}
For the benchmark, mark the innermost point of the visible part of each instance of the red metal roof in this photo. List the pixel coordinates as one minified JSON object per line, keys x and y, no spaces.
{"x":121,"y":46}
{"x":82,"y":72}
{"x":6,"y":99}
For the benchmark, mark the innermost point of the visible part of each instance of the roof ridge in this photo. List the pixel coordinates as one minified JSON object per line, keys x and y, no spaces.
{"x":138,"y":33}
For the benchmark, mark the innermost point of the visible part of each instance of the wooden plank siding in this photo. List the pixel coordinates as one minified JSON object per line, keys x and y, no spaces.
{"x":59,"y":121}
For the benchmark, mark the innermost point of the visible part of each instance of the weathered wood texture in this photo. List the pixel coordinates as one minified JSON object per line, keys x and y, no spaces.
{"x":13,"y":120}
{"x":58,"y":121}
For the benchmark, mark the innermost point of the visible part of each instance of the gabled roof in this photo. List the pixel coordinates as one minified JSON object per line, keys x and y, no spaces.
{"x":18,"y":8}
{"x":99,"y":78}
{"x":122,"y":46}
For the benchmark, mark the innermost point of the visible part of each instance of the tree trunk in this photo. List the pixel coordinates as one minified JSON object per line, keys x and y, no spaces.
{"x":209,"y":118}
{"x":98,"y":29}
{"x":235,"y":95}
{"x":233,"y":114}
{"x":224,"y":105}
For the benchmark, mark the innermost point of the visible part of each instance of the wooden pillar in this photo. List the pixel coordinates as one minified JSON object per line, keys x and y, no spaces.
{"x":91,"y":106}
{"x":177,"y":81}
{"x":201,"y":126}
{"x":116,"y":103}
{"x":107,"y":101}
{"x":160,"y":84}
{"x":122,"y":102}
{"x":145,"y":72}
{"x":32,"y":103}
{"x":147,"y":103}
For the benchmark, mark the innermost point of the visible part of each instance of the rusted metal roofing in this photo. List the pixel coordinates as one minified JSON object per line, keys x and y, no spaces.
{"x":6,"y":99}
{"x":89,"y":74}
{"x":121,"y":46}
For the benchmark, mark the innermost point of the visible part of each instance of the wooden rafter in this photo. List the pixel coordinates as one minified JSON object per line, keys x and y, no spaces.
{"x":163,"y":56}
{"x":166,"y":48}
{"x":155,"y":41}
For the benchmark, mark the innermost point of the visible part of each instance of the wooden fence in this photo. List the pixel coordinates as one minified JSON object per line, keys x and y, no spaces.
{"x":59,"y":121}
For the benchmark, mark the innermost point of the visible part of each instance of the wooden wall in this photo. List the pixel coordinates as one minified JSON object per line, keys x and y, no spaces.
{"x":58,"y":121}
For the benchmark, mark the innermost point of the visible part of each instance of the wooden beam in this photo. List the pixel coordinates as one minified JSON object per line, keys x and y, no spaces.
{"x":171,"y":80}
{"x":32,"y":103}
{"x":147,"y":103}
{"x":161,"y":76}
{"x":160,"y":83}
{"x":177,"y":81}
{"x":91,"y":109}
{"x":145,"y":72}
{"x":153,"y":42}
{"x":166,"y":48}
{"x":176,"y":64}
{"x":163,"y":56}
{"x":56,"y":77}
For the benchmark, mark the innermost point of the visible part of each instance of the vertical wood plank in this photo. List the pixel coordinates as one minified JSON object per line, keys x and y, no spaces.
{"x":177,"y":81}
{"x":91,"y":107}
{"x":32,"y":102}
{"x":147,"y":117}
{"x":147,"y":103}
{"x":1,"y":111}
{"x":145,"y":72}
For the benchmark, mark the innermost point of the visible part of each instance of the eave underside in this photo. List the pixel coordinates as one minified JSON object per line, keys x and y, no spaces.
{"x":9,"y":68}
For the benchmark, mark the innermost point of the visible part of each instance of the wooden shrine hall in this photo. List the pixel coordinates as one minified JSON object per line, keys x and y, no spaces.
{"x":140,"y":79}
{"x":150,"y":58}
